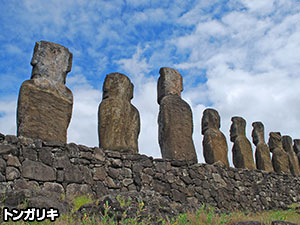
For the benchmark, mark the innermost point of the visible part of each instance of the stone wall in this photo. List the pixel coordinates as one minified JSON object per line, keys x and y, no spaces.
{"x":71,"y":169}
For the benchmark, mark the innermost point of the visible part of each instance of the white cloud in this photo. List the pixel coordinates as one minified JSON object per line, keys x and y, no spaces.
{"x":83,"y":128}
{"x":8,"y":114}
{"x":254,"y":72}
{"x":260,"y":7}
{"x":13,"y":49}
{"x":145,"y":100}
{"x":246,"y":58}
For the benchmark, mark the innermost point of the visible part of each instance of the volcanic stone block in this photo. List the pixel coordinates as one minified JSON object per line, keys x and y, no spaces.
{"x":280,"y":158}
{"x":118,"y":119}
{"x":241,"y":150}
{"x":287,"y":144}
{"x":45,"y":103}
{"x":175,"y":119}
{"x":214,"y":142}
{"x":297,"y":148}
{"x":262,"y":153}
{"x":37,"y":171}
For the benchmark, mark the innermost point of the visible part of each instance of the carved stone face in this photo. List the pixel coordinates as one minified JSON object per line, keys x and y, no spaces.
{"x":287,"y":143}
{"x":169,"y":83}
{"x":237,"y":127}
{"x":258,"y":133}
{"x":117,"y":85}
{"x":51,"y":61}
{"x":274,"y":141}
{"x":210,"y":119}
{"x":297,"y":145}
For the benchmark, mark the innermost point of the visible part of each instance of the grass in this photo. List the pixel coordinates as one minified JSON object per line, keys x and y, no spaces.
{"x":204,"y":216}
{"x":79,"y":201}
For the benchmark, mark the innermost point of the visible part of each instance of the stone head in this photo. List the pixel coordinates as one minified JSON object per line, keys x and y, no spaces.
{"x":117,"y":85}
{"x":51,"y":61}
{"x":287,"y":143}
{"x":274,"y":140}
{"x":237,"y":127}
{"x":169,"y":83}
{"x":297,"y":145}
{"x":210,"y":119}
{"x":258,"y":133}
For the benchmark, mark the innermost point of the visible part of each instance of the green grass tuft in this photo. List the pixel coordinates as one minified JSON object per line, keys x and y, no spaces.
{"x":80,"y":201}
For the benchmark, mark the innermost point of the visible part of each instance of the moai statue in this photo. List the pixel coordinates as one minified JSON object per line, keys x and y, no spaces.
{"x":241,"y":151}
{"x":118,"y":119}
{"x":262,"y":153}
{"x":280,"y":159}
{"x":175,"y":119}
{"x":214,"y":142}
{"x":297,"y":148}
{"x":45,"y":103}
{"x":287,"y":144}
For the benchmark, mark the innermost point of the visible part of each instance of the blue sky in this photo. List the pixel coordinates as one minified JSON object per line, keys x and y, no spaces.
{"x":239,"y":57}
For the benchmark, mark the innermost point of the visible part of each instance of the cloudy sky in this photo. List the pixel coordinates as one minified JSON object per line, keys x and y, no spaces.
{"x":241,"y":57}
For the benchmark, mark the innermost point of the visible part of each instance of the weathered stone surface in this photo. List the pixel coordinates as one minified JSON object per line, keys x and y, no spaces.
{"x":169,"y":83}
{"x":280,"y":159}
{"x":241,"y":151}
{"x":2,"y":165}
{"x":35,"y":198}
{"x":23,"y":184}
{"x":262,"y":153}
{"x":214,"y":142}
{"x":14,"y":198}
{"x":51,"y":61}
{"x":175,"y":119}
{"x":5,"y":149}
{"x":12,"y":173}
{"x":173,"y":185}
{"x":13,"y":161}
{"x":62,"y":162}
{"x":74,"y":190}
{"x":154,"y":207}
{"x":37,"y":171}
{"x":45,"y":103}
{"x":11,"y":139}
{"x":99,"y":173}
{"x":46,"y":156}
{"x":287,"y":144}
{"x":127,"y":182}
{"x":78,"y":174}
{"x":118,"y":119}
{"x":297,"y":148}
{"x":2,"y":137}
{"x":53,"y":187}
{"x":29,"y":153}
{"x":46,"y":202}
{"x":99,"y":154}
